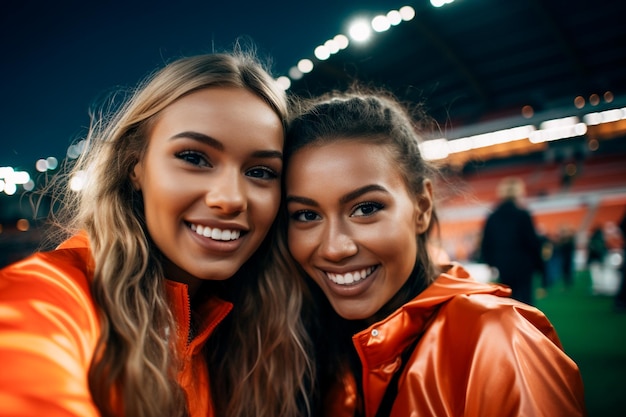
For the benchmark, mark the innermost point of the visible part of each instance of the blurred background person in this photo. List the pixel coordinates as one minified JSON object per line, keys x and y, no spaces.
{"x":566,"y":247}
{"x":510,"y":242}
{"x":596,"y":252}
{"x":547,"y":252}
{"x":620,"y":297}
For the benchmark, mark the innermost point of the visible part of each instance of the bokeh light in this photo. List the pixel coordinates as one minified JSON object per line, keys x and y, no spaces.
{"x":22,"y":225}
{"x":360,"y":31}
{"x":380,"y":23}
{"x":283,"y":82}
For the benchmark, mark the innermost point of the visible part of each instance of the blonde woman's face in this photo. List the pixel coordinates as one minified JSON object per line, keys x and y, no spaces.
{"x":353,"y":223}
{"x":210,"y":181}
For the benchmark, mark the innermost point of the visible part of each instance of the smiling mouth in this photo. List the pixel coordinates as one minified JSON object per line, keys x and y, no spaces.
{"x":215,"y":233}
{"x":351,"y":277}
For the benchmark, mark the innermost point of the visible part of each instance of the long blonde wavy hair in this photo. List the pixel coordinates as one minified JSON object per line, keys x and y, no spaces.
{"x":257,"y":356}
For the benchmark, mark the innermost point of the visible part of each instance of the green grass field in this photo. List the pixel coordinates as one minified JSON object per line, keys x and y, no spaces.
{"x":594,"y":335}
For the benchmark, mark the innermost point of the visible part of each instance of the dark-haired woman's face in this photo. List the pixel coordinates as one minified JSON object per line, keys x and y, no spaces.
{"x":353,"y":223}
{"x":210,"y":181}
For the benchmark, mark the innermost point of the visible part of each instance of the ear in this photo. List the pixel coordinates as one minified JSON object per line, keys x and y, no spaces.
{"x":424,"y":208}
{"x":135,"y":176}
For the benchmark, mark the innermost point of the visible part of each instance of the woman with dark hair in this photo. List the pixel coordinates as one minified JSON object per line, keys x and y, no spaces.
{"x":400,"y":335}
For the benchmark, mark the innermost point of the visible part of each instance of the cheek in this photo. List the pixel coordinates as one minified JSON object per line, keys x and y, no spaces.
{"x":266,"y":205}
{"x":398,"y":244}
{"x":406,"y":257}
{"x":164,"y":196}
{"x":299,"y":244}
{"x":293,"y":244}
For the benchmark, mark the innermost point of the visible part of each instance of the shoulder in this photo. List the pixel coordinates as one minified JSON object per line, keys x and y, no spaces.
{"x":481,"y":316}
{"x":57,"y":281}
{"x":49,"y":329}
{"x":63,"y":266}
{"x":493,"y":343}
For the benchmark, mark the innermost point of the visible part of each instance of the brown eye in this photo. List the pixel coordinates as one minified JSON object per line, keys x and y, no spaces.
{"x":263,"y":173}
{"x":305,"y":216}
{"x":367,"y":209}
{"x":194,"y":158}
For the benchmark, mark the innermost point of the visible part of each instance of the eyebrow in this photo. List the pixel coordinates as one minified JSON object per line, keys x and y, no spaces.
{"x":360,"y":191}
{"x":200,"y":137}
{"x":216,"y":144}
{"x":343,"y":200}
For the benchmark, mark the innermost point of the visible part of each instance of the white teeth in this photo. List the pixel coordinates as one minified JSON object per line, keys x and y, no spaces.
{"x":215,"y":233}
{"x":350,"y":277}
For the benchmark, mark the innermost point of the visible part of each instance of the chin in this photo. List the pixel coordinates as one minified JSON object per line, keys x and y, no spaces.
{"x":351,"y":314}
{"x":219,"y":277}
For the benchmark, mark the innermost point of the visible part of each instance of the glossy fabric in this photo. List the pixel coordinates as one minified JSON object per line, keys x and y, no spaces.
{"x":481,"y":354}
{"x":49,"y":329}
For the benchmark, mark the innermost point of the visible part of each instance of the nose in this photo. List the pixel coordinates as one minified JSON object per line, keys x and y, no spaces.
{"x":227,"y":193}
{"x":337,"y":243}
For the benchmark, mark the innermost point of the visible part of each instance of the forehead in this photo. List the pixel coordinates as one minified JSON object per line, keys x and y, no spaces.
{"x":218,"y":102}
{"x":348,"y":163}
{"x":232,"y":115}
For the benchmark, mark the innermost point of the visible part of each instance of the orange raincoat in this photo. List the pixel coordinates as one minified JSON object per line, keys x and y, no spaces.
{"x":480,"y":354}
{"x":49,"y":328}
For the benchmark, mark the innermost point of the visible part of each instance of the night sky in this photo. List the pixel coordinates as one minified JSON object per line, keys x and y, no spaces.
{"x":59,"y":59}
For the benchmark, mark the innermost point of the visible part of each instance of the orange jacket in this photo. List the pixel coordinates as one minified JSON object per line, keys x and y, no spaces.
{"x":49,"y":329}
{"x":480,"y":354}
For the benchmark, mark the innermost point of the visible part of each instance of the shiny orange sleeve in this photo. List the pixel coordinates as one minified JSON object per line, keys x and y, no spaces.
{"x":499,"y":360}
{"x":522,"y":369}
{"x":480,"y":356}
{"x":48,"y":332}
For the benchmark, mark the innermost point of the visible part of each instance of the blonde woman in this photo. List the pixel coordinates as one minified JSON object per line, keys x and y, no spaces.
{"x":168,"y":298}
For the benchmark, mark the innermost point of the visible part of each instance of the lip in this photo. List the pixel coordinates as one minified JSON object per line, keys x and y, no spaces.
{"x":354,"y":289}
